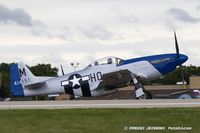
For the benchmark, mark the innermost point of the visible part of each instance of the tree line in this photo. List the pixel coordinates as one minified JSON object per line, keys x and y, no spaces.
{"x":47,"y":70}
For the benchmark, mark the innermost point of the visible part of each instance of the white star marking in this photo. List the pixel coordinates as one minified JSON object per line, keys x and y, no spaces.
{"x":75,"y":81}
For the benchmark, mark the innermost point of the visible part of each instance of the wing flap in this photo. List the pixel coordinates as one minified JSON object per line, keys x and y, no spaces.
{"x":116,"y":79}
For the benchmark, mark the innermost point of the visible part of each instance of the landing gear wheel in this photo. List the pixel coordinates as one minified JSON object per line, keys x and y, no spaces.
{"x":142,"y":97}
{"x":148,"y":94}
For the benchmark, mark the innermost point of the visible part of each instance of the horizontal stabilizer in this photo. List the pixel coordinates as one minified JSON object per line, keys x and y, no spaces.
{"x":35,"y":85}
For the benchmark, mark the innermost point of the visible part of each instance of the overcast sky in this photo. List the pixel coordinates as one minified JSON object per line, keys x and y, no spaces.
{"x":62,"y":31}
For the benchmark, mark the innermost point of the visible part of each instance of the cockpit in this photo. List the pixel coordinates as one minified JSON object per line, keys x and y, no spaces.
{"x":106,"y":61}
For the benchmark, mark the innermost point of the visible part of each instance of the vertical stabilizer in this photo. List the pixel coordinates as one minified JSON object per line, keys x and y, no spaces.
{"x":20,"y":76}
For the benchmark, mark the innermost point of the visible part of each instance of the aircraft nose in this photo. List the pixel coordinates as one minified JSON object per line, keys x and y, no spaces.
{"x":182,"y":59}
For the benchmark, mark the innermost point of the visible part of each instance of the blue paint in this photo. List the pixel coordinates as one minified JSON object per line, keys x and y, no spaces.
{"x":15,"y":81}
{"x":163,"y":67}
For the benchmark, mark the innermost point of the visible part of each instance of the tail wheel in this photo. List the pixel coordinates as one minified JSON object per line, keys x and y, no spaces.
{"x":71,"y":97}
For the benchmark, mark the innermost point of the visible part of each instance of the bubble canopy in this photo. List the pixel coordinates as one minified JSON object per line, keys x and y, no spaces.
{"x":106,"y":61}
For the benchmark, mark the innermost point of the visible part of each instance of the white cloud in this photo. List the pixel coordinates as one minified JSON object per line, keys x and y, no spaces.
{"x":63,"y":31}
{"x":18,"y":16}
{"x":95,"y":32}
{"x":182,"y":16}
{"x":86,"y":53}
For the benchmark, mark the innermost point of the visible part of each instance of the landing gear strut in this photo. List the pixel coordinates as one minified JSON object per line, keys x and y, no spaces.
{"x":140,"y":92}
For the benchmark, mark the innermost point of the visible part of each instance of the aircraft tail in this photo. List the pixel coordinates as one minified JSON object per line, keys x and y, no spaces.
{"x":20,"y":76}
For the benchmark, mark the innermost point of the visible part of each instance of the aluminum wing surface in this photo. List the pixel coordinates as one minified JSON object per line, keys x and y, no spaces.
{"x":115,"y":80}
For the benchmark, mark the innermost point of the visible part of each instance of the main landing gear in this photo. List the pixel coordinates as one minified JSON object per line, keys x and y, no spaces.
{"x":140,"y":92}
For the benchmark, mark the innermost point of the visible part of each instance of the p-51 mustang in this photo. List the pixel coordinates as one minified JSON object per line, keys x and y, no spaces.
{"x":102,"y":77}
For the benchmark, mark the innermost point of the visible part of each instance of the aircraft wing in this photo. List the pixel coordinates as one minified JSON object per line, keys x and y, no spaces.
{"x":116,"y":79}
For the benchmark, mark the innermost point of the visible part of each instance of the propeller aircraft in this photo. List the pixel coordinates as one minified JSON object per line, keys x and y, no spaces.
{"x":102,"y":77}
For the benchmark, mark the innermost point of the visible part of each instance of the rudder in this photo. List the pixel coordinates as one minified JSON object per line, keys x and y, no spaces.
{"x":15,"y":81}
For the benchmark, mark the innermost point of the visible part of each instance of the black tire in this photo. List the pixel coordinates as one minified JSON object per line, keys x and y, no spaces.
{"x":184,"y":96}
{"x":148,"y":94}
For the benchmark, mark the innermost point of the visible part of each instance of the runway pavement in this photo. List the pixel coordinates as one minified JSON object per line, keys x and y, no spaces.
{"x":156,"y":103}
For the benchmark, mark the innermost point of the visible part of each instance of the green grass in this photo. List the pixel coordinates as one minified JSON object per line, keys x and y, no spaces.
{"x":96,"y":120}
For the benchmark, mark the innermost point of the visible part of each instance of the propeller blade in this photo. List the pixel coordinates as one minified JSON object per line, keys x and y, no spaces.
{"x":63,"y":73}
{"x":176,"y":45}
